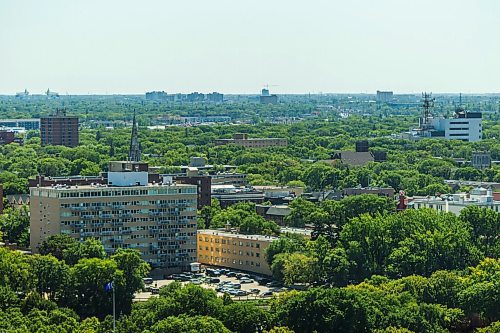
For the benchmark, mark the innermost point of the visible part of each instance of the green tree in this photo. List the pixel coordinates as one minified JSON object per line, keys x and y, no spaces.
{"x":284,"y":244}
{"x":493,"y":328}
{"x":207,"y":213}
{"x":56,"y":245}
{"x":52,"y":167}
{"x":14,"y":225}
{"x":90,"y":278}
{"x":244,"y":317}
{"x":49,"y":275}
{"x":90,"y":248}
{"x":481,"y":296}
{"x":134,"y":270}
{"x":14,"y":271}
{"x":187,"y":324}
{"x":299,"y":268}
{"x":279,"y":329}
{"x":301,"y":209}
{"x":485,"y":225}
{"x":8,"y":298}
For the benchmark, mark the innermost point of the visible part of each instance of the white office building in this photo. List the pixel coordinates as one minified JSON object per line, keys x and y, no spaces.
{"x":465,"y":126}
{"x":454,"y":203}
{"x":469,"y":128}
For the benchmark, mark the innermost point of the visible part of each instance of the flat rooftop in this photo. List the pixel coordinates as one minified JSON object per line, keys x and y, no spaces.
{"x":104,"y":186}
{"x":215,"y":232}
{"x":22,"y":120}
{"x":304,"y":232}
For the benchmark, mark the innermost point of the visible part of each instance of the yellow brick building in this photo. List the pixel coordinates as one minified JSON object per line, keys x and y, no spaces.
{"x":234,"y":250}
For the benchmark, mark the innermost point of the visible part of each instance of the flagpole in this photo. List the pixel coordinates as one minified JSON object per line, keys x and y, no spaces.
{"x":114,"y":310}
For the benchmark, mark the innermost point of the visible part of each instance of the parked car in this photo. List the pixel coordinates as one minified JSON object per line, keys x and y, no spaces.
{"x":234,"y":285}
{"x":277,"y":290}
{"x":182,"y":277}
{"x":155,"y":291}
{"x":273,"y":284}
{"x":212,"y":272}
{"x":246,"y":280}
{"x":230,"y":274}
{"x":214,"y":280}
{"x":254,"y":291}
{"x":266,"y":294}
{"x":241,"y":293}
{"x":195,"y":281}
{"x":242,"y":275}
{"x":147,"y":280}
{"x":264,"y":281}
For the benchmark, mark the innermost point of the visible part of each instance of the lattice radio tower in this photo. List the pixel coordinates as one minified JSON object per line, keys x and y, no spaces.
{"x":427,"y":105}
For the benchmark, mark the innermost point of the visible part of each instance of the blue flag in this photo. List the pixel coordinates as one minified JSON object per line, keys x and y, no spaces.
{"x":108,"y":286}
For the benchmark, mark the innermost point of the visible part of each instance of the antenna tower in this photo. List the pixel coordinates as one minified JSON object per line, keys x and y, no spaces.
{"x":427,"y":105}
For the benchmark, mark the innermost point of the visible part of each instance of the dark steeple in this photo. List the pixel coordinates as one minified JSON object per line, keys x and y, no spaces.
{"x":134,"y":153}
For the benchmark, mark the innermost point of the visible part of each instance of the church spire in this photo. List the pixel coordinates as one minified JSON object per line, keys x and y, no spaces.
{"x":134,"y":153}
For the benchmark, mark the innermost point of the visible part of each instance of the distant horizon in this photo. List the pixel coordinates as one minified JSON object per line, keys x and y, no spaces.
{"x":396,"y":93}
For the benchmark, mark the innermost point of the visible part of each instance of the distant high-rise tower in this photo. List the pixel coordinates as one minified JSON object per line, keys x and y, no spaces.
{"x":134,"y":154}
{"x":59,"y":129}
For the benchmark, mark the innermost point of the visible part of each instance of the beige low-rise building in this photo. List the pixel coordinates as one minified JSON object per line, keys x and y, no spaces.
{"x":234,"y":250}
{"x":159,"y":220}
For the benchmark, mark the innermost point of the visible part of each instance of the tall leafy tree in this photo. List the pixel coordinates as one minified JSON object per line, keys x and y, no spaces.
{"x":14,"y":225}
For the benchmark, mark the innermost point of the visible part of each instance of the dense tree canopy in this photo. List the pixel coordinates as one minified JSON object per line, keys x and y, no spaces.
{"x":369,"y":269}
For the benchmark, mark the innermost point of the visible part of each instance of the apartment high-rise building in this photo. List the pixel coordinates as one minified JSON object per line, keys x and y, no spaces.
{"x":157,"y":219}
{"x":59,"y":129}
{"x":266,"y":98}
{"x":215,"y":97}
{"x":384,"y":96}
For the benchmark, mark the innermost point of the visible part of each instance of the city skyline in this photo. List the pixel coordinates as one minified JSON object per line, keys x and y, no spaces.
{"x":122,"y":47}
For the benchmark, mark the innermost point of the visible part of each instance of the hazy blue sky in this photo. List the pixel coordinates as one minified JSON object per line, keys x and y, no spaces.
{"x":231,"y":46}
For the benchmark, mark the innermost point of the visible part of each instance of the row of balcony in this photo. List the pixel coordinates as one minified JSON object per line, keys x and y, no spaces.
{"x":164,"y":213}
{"x":101,"y":207}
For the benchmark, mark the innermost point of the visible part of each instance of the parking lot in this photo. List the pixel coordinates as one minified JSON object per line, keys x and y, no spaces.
{"x":236,"y":284}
